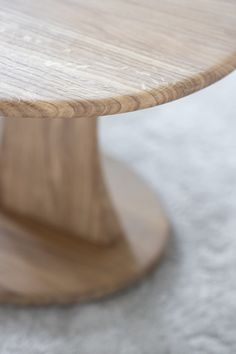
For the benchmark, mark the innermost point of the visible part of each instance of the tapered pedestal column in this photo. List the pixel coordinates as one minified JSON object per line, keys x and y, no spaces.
{"x":50,"y":173}
{"x":65,"y":233}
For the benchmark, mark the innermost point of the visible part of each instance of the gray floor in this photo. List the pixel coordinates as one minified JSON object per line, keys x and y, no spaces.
{"x":187,"y":151}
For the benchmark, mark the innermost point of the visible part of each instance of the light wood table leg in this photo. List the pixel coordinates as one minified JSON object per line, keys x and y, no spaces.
{"x":67,"y":233}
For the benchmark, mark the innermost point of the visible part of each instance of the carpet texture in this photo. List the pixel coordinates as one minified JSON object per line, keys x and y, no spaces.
{"x":186,"y":150}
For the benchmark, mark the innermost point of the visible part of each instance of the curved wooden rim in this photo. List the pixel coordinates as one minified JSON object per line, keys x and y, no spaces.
{"x":119,"y":104}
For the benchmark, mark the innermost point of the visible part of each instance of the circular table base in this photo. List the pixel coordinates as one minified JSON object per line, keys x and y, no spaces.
{"x":39,"y":265}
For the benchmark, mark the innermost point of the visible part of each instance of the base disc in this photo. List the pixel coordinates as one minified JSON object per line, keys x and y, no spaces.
{"x":39,"y":265}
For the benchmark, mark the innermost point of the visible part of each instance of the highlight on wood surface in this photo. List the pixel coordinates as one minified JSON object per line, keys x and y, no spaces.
{"x":90,"y":58}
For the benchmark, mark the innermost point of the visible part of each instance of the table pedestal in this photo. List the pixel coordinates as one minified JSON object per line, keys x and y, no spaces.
{"x":68,"y":232}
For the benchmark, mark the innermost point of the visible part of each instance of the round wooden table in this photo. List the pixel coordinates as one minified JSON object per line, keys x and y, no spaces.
{"x":68,"y":230}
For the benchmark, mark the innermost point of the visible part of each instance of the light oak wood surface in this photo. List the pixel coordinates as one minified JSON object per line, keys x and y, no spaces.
{"x":77,"y":58}
{"x":67,"y":232}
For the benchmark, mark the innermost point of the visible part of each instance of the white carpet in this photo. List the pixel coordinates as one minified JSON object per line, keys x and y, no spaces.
{"x":187,"y":151}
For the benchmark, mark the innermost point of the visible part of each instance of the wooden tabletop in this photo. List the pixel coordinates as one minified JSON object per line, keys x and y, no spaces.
{"x":74,"y":58}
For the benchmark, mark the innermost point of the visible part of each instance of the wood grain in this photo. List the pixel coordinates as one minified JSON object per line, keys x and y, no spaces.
{"x":82,"y":59}
{"x":50,"y":172}
{"x":39,"y":265}
{"x":77,"y":58}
